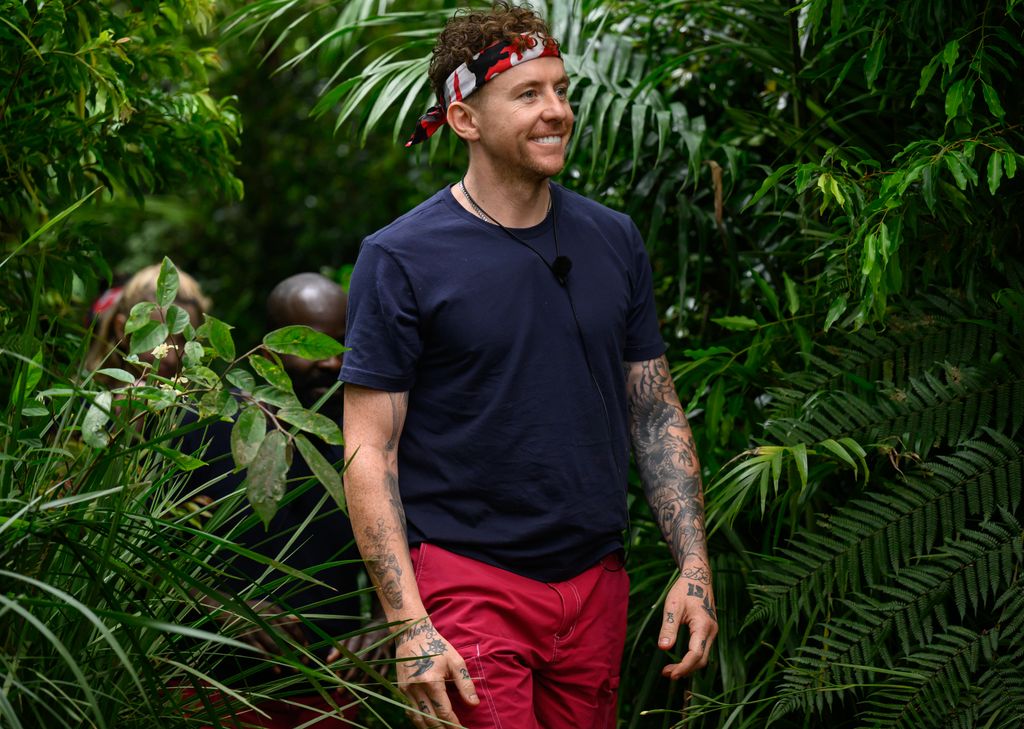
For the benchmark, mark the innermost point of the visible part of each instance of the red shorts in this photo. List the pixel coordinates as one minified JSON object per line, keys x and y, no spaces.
{"x":541,"y":654}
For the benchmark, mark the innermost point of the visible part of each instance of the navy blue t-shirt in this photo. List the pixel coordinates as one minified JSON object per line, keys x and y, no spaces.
{"x":514,"y":452}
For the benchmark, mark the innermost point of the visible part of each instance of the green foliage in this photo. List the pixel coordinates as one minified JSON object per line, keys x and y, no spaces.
{"x":809,"y":177}
{"x":97,"y":95}
{"x":105,"y":549}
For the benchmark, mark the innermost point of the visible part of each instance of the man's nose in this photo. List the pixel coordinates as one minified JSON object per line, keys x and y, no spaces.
{"x":556,"y":106}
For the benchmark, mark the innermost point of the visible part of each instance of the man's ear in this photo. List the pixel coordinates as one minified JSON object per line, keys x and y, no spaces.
{"x":464,"y":121}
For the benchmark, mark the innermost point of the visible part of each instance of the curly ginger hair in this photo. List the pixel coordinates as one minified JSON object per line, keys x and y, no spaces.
{"x":466,"y":34}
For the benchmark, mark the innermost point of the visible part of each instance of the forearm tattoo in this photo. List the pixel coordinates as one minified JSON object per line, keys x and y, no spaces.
{"x":383,"y":563}
{"x":667,"y":460}
{"x":399,"y":406}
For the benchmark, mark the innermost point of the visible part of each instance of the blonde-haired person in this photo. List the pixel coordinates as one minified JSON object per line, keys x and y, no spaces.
{"x":110,"y":343}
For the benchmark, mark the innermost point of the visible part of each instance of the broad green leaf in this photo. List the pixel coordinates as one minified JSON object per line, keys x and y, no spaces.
{"x":148,"y":337}
{"x":736,"y":323}
{"x":193,"y":354}
{"x":176,"y":318}
{"x":34,"y":411}
{"x":995,"y":171}
{"x":885,"y":246}
{"x":955,"y":98}
{"x":836,"y":192}
{"x":992,"y":101}
{"x":955,"y":166}
{"x":315,"y":423}
{"x":241,"y":379}
{"x":203,"y":375}
{"x":302,"y":341}
{"x":265,"y":481}
{"x":247,"y":434}
{"x":219,"y":335}
{"x":325,"y":473}
{"x":117,"y":374}
{"x":950,"y":53}
{"x":139,"y":316}
{"x":927,"y":73}
{"x":792,"y":295}
{"x":867,"y":258}
{"x":217,"y":403}
{"x":273,"y":396}
{"x":835,"y":311}
{"x":272,"y":372}
{"x":1010,"y":163}
{"x":166,"y":283}
{"x":94,"y":425}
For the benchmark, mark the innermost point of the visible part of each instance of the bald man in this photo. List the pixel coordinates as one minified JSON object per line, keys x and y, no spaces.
{"x":317,"y":302}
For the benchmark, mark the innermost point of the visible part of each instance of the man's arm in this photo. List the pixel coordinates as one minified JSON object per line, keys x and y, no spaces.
{"x":670,"y":473}
{"x":373,"y":426}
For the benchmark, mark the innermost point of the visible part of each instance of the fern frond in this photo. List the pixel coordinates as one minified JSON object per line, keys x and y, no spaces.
{"x":926,"y":413}
{"x":869,"y":628}
{"x":873,"y":537}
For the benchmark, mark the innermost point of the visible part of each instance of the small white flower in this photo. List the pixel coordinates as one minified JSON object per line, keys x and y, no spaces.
{"x":160,"y":351}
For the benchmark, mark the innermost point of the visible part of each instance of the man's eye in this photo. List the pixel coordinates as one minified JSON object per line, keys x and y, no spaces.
{"x":528,"y":94}
{"x":563,"y":92}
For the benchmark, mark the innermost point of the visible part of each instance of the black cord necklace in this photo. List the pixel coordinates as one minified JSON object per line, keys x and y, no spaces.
{"x":560,"y":267}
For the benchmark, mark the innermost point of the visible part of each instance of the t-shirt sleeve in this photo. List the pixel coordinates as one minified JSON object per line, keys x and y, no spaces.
{"x":643,"y":336}
{"x":382,"y":333}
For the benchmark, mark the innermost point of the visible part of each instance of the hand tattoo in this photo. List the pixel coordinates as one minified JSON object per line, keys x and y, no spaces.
{"x":671,"y":618}
{"x":422,"y":664}
{"x":698,"y":591}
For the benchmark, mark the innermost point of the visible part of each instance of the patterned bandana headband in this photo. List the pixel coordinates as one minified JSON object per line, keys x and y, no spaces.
{"x":468,"y":77}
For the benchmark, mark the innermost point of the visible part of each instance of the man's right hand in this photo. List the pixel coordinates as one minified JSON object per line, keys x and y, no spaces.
{"x":426,"y":663}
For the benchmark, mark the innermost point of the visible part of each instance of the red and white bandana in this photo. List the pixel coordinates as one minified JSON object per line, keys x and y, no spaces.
{"x":488,"y":63}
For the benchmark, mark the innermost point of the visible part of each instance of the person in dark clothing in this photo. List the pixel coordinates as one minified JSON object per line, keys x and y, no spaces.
{"x":505,"y":355}
{"x":307,"y":533}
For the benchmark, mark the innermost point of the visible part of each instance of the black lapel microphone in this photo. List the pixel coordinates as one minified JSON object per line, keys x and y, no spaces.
{"x":561,"y":267}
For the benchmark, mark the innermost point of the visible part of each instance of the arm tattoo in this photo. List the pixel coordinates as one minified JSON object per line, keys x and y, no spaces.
{"x":384,"y":567}
{"x":383,"y":564}
{"x":667,"y":460}
{"x":399,"y":406}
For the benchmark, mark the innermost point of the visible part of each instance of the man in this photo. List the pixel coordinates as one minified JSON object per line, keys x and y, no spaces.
{"x":307,"y":533}
{"x":487,"y":412}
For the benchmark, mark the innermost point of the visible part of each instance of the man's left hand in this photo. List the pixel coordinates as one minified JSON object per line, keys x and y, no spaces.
{"x":691,"y":601}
